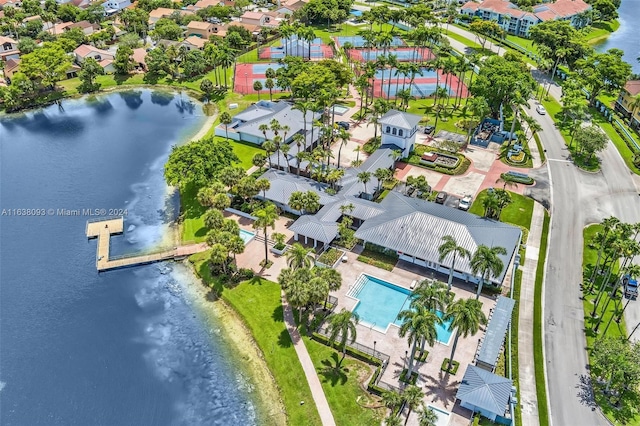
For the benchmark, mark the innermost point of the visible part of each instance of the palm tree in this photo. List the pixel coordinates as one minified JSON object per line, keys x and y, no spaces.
{"x":392,"y":420}
{"x":507,"y":180}
{"x":298,"y":257}
{"x":265,"y":218}
{"x":332,"y":277}
{"x":225,"y":118}
{"x":391,"y":399}
{"x":270,"y":148}
{"x":433,"y":296}
{"x":383,"y":175}
{"x":634,"y":104}
{"x":418,"y":323}
{"x":450,"y":246}
{"x":466,"y":316}
{"x":428,"y":417}
{"x":491,"y":205}
{"x":343,"y":326}
{"x":485,"y":261}
{"x":364,"y":177}
{"x":608,"y":225}
{"x":344,"y":139}
{"x":413,"y":395}
{"x":219,"y":255}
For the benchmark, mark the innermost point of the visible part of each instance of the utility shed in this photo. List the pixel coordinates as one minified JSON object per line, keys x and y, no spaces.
{"x":496,"y":331}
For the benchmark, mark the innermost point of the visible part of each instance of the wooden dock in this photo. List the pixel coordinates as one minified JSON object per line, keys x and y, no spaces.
{"x":103,"y":229}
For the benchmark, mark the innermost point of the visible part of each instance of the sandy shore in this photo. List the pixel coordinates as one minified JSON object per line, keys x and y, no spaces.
{"x":262,"y":386}
{"x":205,"y":127}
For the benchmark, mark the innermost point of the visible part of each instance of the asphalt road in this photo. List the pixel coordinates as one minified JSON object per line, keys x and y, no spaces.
{"x":577,"y":199}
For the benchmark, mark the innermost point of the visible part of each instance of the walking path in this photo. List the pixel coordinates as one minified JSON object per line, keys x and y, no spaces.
{"x":526,"y":373}
{"x":307,"y":365}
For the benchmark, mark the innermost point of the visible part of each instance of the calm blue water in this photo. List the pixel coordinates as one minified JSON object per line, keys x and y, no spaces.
{"x":627,"y":36}
{"x":381,"y":302}
{"x":355,"y":12}
{"x":246,"y":236}
{"x":126,"y":347}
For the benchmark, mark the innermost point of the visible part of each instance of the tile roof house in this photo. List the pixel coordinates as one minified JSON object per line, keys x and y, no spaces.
{"x":8,"y":48}
{"x":10,"y":68}
{"x":139,"y":56}
{"x":200,"y":29}
{"x":485,"y":393}
{"x":195,"y":42}
{"x":259,"y":19}
{"x":516,"y":21}
{"x":87,"y":27}
{"x":624,"y":103}
{"x":85,"y":51}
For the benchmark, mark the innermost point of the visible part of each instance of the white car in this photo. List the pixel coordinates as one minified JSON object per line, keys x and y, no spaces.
{"x":465,"y":203}
{"x":540,"y":110}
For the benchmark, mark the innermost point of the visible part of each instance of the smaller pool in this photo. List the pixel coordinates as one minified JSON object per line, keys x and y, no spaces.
{"x":340,"y":109}
{"x":380,"y":302}
{"x":247,"y":236}
{"x":356,"y":12}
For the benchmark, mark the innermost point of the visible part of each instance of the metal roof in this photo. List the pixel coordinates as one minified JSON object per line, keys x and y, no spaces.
{"x":496,"y":331}
{"x":284,"y":184}
{"x":415,"y":227}
{"x":485,"y":390}
{"x":262,"y":112}
{"x":312,"y":227}
{"x":400,"y":119}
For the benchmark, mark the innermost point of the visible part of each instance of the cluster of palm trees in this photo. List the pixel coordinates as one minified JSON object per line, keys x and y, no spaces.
{"x":485,"y":261}
{"x":420,"y":321}
{"x":617,"y":244}
{"x":496,"y":200}
{"x":302,"y":32}
{"x":412,"y":396}
{"x":305,"y":285}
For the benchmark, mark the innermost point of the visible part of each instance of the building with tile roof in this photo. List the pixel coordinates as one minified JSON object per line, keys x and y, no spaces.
{"x":625,"y":103}
{"x":516,"y":21}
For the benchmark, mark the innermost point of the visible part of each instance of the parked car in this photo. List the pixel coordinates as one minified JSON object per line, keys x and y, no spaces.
{"x":428,"y":130}
{"x":343,"y":124}
{"x":540,"y":110}
{"x":441,"y":197}
{"x":465,"y":203}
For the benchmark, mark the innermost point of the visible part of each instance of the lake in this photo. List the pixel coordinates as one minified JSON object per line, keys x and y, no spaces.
{"x":627,"y":37}
{"x":126,"y":347}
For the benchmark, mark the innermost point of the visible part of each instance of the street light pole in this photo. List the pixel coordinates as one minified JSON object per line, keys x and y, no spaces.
{"x":374,"y":348}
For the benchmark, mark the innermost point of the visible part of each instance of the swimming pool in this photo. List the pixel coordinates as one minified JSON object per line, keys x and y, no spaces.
{"x":380,"y":302}
{"x":356,"y":12}
{"x":246,"y":236}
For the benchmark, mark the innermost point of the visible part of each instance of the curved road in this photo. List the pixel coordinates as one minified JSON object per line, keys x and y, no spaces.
{"x":578,"y":199}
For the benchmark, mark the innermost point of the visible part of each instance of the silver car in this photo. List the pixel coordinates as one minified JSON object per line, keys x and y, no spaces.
{"x":465,"y":203}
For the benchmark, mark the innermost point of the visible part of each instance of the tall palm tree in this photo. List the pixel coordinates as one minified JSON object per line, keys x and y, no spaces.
{"x":466,"y":316}
{"x":265,"y":219}
{"x":342,"y":326}
{"x":634,"y":104}
{"x":391,"y":399}
{"x":364,"y":177}
{"x":428,"y":417}
{"x":332,"y":277}
{"x":344,"y":139}
{"x":507,"y":180}
{"x":418,"y":323}
{"x":450,"y":246}
{"x":491,"y":205}
{"x":485,"y":261}
{"x":413,"y":396}
{"x":433,"y":296}
{"x":608,"y":225}
{"x":298,"y":256}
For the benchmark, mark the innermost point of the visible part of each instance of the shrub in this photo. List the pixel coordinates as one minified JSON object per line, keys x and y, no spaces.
{"x":454,"y":366}
{"x":372,"y":145}
{"x":411,"y":380}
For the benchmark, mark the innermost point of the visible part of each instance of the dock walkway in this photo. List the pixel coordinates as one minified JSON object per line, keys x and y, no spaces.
{"x":103,"y":229}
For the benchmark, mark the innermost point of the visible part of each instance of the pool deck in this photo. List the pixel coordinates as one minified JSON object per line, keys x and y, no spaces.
{"x":440,"y":388}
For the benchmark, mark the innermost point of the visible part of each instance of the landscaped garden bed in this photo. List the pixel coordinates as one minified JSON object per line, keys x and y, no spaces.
{"x":518,"y":178}
{"x":330,"y":257}
{"x":410,"y":380}
{"x":454,"y":366}
{"x":442,"y":160}
{"x":421,"y":356}
{"x":383,"y":260}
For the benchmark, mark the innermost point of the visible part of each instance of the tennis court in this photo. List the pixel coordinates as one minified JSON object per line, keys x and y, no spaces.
{"x":293,"y":46}
{"x":402,"y":54}
{"x":247,"y":74}
{"x":358,"y":41}
{"x":389,"y":82}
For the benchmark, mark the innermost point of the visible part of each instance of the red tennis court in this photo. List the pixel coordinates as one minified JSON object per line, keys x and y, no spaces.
{"x":402,"y":54}
{"x":247,"y":74}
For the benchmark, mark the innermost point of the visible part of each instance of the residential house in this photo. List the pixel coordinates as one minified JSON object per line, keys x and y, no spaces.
{"x":85,"y":51}
{"x":203,"y":4}
{"x":10,"y":68}
{"x":8,"y":48}
{"x":259,"y":19}
{"x":290,"y":8}
{"x":115,"y":6}
{"x":486,"y":393}
{"x":516,"y":21}
{"x":624,"y":103}
{"x":10,"y":3}
{"x":195,"y":43}
{"x":139,"y":57}
{"x":87,"y":27}
{"x":162,"y":12}
{"x":200,"y":29}
{"x":245,"y":126}
{"x":399,"y":129}
{"x":59,"y":28}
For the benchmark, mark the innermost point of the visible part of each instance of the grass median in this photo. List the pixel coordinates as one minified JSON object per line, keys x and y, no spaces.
{"x":538,"y":353}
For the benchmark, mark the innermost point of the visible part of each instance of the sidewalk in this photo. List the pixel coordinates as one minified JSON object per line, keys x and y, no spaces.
{"x":526,"y":373}
{"x":307,"y":365}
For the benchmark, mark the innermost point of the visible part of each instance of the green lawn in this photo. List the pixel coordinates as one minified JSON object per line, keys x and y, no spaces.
{"x":447,"y":121}
{"x":457,"y":37}
{"x":344,"y":388}
{"x":517,"y":213}
{"x":601,"y":30}
{"x":258,"y":303}
{"x":538,"y":353}
{"x":525,"y":43}
{"x":193,"y":229}
{"x":377,"y":259}
{"x":626,"y":153}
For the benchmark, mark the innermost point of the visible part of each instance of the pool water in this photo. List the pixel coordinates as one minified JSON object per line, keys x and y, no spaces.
{"x":246,"y":236}
{"x":380,"y":302}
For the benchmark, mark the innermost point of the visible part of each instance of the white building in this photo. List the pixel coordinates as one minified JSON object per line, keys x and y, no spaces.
{"x":399,"y":129}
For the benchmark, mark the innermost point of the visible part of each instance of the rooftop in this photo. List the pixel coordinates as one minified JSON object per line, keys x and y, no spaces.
{"x":400,"y":119}
{"x":632,"y":87}
{"x":496,"y":331}
{"x":485,"y":390}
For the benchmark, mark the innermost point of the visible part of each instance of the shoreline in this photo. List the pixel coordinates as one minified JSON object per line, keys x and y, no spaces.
{"x":263,"y":389}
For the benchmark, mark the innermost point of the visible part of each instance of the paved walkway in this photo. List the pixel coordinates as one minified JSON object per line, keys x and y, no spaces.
{"x":307,"y":365}
{"x":526,"y":373}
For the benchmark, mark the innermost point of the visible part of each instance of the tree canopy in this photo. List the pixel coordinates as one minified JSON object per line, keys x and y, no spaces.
{"x":199,"y":162}
{"x":558,"y":41}
{"x":603,"y":71}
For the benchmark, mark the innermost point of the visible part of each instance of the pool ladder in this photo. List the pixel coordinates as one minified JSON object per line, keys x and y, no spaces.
{"x":356,"y":287}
